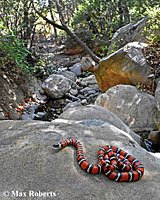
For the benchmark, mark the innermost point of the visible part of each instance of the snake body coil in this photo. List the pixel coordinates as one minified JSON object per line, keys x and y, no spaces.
{"x":111,"y":159}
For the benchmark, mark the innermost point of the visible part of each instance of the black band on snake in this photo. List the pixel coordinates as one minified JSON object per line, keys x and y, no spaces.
{"x":111,"y":159}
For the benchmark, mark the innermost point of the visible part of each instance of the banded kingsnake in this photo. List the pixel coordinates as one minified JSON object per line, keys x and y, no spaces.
{"x":110,"y":158}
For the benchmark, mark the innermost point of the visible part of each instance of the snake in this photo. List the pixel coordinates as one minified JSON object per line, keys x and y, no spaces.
{"x":114,"y":162}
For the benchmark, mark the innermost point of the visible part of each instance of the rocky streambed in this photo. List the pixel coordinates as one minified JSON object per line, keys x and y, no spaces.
{"x":62,"y":93}
{"x":67,"y":84}
{"x":65,"y":81}
{"x":64,"y":96}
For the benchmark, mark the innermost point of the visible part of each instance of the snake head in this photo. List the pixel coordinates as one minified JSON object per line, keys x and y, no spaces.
{"x":56,"y":145}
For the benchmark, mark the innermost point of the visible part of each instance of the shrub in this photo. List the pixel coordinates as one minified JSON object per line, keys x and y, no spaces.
{"x":153,"y":30}
{"x":13,"y":53}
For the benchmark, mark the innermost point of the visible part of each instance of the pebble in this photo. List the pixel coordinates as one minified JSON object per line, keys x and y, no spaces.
{"x":87,"y":63}
{"x":64,"y":62}
{"x":68,"y":101}
{"x":77,"y":69}
{"x":72,"y":96}
{"x":90,"y":80}
{"x":2,"y":116}
{"x":86,"y":90}
{"x":73,"y":92}
{"x":58,"y":111}
{"x":41,"y":114}
{"x":90,"y":92}
{"x":53,"y":109}
{"x":80,"y":96}
{"x":84,"y":102}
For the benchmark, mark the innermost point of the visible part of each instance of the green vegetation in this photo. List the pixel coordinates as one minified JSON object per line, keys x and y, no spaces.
{"x":13,"y":53}
{"x":153,"y":30}
{"x":103,"y":17}
{"x":19,"y":23}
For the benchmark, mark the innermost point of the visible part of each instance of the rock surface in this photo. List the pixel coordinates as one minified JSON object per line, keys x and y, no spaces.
{"x":157,"y":113}
{"x":154,"y":136}
{"x":29,"y":163}
{"x":14,"y":90}
{"x":2,"y":115}
{"x":72,"y":47}
{"x":88,"y":64}
{"x":135,"y":108}
{"x":77,"y":69}
{"x":128,"y":33}
{"x":72,"y":105}
{"x":93,"y":112}
{"x":56,"y":86}
{"x":126,"y":66}
{"x":68,"y":74}
{"x":87,"y":81}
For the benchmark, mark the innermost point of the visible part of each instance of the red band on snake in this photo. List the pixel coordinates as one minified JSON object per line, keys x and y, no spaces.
{"x":116,"y":164}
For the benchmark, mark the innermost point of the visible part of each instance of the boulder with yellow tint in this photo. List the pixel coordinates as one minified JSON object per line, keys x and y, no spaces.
{"x":126,"y":66}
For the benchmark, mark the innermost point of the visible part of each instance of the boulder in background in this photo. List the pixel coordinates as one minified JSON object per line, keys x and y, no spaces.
{"x":56,"y":86}
{"x":129,"y":33}
{"x":94,"y":112}
{"x":126,"y":66}
{"x":135,"y":108}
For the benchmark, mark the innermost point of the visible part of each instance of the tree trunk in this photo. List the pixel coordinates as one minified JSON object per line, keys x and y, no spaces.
{"x":120,"y":11}
{"x":55,"y":30}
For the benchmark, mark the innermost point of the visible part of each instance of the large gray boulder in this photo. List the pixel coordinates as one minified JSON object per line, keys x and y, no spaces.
{"x":128,"y":33}
{"x":94,"y":112}
{"x":135,"y":108}
{"x":56,"y":86}
{"x":30,"y":165}
{"x":127,"y":66}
